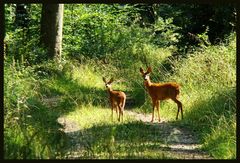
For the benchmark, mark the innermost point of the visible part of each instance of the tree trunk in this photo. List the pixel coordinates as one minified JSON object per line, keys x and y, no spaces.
{"x":147,"y":14}
{"x":22,"y":16}
{"x":51,"y":29}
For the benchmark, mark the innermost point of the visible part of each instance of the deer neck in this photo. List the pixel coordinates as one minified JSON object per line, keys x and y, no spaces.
{"x":147,"y":83}
{"x":109,"y":90}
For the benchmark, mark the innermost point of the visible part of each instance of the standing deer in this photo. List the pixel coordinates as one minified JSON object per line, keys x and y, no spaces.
{"x":161,"y":91}
{"x":117,"y":99}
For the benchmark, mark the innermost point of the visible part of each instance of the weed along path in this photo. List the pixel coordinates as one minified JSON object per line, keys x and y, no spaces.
{"x":178,"y":142}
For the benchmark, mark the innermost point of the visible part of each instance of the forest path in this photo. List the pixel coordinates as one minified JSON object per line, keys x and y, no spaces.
{"x":179,"y":142}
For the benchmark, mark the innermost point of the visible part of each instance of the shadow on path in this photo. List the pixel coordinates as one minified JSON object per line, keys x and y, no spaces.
{"x":138,"y":136}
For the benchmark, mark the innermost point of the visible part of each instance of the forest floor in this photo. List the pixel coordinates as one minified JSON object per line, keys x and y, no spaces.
{"x":180,"y":142}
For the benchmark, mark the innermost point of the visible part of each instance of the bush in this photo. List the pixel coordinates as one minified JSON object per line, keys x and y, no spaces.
{"x":208,"y":80}
{"x":27,"y":133}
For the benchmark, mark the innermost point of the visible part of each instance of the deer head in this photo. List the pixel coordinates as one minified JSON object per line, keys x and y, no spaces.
{"x":145,"y":75}
{"x":108,"y":83}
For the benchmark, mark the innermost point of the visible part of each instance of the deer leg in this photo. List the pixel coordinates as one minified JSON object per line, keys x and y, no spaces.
{"x":112,"y":109}
{"x":154,"y":104}
{"x":157,"y":103}
{"x":177,"y":113}
{"x":116,"y":109}
{"x":122,"y":115}
{"x":179,"y":104}
{"x":119,"y":112}
{"x":122,"y":108}
{"x":181,"y":109}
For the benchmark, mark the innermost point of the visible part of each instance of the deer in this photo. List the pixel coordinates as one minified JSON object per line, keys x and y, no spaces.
{"x":161,"y":91}
{"x":117,"y":99}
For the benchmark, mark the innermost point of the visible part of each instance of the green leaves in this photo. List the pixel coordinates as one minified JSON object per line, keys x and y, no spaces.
{"x":165,"y":32}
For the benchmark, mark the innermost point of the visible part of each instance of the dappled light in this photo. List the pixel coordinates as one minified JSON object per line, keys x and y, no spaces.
{"x":81,"y":81}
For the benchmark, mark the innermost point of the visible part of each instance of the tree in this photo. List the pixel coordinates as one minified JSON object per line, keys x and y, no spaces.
{"x":147,"y":14}
{"x":22,"y":16}
{"x":216,"y":22}
{"x":51,"y":29}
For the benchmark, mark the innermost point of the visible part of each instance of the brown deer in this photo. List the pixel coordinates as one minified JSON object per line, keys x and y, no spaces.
{"x":161,"y":91}
{"x":117,"y":99}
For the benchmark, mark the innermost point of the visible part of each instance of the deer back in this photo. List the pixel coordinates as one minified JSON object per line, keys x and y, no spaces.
{"x":117,"y":96}
{"x":163,"y":91}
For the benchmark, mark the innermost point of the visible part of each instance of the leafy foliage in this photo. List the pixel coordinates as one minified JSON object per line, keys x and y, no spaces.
{"x":114,"y":41}
{"x":23,"y":44}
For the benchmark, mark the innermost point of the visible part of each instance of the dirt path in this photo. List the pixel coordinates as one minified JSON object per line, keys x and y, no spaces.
{"x":180,"y":143}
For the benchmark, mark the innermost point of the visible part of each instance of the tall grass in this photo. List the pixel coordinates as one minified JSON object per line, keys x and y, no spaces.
{"x":34,"y":98}
{"x":208,"y":80}
{"x":30,"y":126}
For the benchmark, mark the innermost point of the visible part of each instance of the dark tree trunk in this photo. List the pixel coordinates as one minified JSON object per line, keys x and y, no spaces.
{"x":51,"y":29}
{"x":147,"y":14}
{"x":22,"y":16}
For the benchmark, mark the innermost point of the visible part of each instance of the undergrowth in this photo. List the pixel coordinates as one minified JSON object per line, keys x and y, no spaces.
{"x":208,"y":80}
{"x":35,"y":97}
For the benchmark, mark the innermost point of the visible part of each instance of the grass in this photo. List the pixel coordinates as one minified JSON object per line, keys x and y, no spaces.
{"x":208,"y":94}
{"x":103,"y":138}
{"x":209,"y":97}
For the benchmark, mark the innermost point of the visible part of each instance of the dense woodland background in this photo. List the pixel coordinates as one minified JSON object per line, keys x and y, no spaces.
{"x":56,"y":55}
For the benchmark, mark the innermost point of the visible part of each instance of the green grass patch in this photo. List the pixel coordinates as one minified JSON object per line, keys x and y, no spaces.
{"x":208,"y":80}
{"x":34,"y":98}
{"x":102,"y":138}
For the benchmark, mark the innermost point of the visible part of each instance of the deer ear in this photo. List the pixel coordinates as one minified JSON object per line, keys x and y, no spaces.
{"x":111,"y":80}
{"x":141,"y":70}
{"x":104,"y":80}
{"x":149,"y":69}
